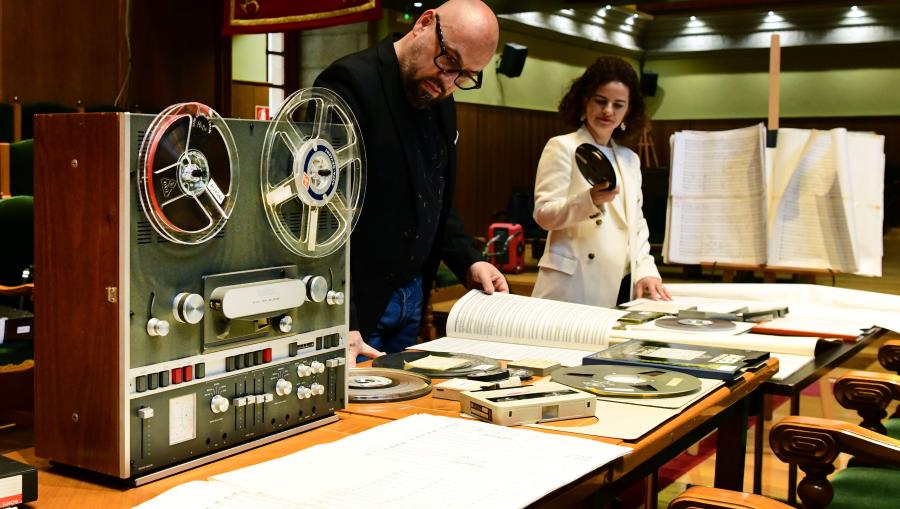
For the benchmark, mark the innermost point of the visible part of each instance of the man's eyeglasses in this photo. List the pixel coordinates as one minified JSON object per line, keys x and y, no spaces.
{"x":464,"y":80}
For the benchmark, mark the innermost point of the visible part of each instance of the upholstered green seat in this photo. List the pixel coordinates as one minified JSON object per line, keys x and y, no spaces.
{"x":445,"y":277}
{"x":893,"y":428}
{"x":866,"y":488}
{"x":21,"y":168}
{"x":17,"y":229}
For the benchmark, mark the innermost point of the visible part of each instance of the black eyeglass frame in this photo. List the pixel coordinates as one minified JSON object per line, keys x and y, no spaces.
{"x":460,"y":72}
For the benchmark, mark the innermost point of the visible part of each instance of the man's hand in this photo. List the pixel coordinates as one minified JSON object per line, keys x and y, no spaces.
{"x":356,"y":347}
{"x":653,"y":287}
{"x":484,"y":276}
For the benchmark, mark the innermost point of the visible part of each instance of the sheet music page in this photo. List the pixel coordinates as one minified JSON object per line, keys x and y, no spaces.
{"x":505,"y":351}
{"x":866,"y":156}
{"x":216,"y":495}
{"x":812,"y":226}
{"x":718,"y":197}
{"x":423,"y":460}
{"x":509,"y":318}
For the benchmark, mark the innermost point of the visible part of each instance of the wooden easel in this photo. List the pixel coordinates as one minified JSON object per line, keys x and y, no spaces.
{"x":646,"y":150}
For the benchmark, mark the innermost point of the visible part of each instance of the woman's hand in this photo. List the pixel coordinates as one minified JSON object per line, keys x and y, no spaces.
{"x":601,"y":193}
{"x":652,"y":287}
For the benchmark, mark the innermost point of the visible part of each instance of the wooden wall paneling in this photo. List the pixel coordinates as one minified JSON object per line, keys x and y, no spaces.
{"x":245,"y":97}
{"x":62,"y":52}
{"x":78,"y":354}
{"x":175,"y":48}
{"x":498,"y":153}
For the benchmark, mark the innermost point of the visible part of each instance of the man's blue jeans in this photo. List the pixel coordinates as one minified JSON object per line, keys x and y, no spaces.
{"x":398,"y":327}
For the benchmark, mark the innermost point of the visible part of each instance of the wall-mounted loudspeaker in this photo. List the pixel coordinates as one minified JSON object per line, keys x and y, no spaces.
{"x":648,"y":83}
{"x":513,"y":59}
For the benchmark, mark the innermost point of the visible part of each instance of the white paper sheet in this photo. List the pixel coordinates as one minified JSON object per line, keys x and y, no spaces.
{"x":410,"y":463}
{"x":628,"y":421}
{"x":794,"y":345}
{"x":789,"y":364}
{"x":718,"y":197}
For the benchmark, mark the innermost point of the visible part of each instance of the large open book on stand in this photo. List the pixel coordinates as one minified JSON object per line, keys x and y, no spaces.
{"x":814,"y":202}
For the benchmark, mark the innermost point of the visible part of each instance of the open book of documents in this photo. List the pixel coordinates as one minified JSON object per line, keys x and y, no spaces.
{"x":510,"y":327}
{"x":418,"y":461}
{"x":814,"y":202}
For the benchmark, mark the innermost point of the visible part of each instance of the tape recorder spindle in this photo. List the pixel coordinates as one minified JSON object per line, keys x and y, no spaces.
{"x":193,"y":273}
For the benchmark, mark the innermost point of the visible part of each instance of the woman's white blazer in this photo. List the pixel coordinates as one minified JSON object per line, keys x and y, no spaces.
{"x":589,"y":248}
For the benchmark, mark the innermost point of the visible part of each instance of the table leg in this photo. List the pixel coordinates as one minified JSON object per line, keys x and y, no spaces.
{"x":731,"y":448}
{"x":764,"y":403}
{"x":792,"y":467}
{"x":651,"y":484}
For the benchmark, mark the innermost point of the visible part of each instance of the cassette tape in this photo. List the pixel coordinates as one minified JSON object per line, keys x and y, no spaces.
{"x":528,"y":404}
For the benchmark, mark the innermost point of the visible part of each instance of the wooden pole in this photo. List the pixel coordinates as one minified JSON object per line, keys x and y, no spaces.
{"x":774,"y":85}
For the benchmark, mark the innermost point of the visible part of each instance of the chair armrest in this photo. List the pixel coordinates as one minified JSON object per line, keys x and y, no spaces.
{"x":813,"y":444}
{"x":869,"y":394}
{"x":26,"y":289}
{"x":889,"y":355}
{"x":715,"y":498}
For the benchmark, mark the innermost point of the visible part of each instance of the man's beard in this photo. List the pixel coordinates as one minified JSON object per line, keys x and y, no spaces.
{"x":416,"y":94}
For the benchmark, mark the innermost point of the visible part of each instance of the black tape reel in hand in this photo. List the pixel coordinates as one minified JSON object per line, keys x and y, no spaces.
{"x":594,"y":166}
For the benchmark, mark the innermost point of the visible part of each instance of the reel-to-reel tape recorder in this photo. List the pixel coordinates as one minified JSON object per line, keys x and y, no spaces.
{"x":192,"y":274}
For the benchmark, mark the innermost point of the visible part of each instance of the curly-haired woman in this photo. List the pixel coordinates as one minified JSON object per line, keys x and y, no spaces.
{"x":598,"y":251}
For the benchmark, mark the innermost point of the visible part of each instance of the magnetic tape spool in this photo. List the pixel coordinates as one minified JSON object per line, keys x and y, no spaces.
{"x":379,"y":385}
{"x":465,"y":363}
{"x":188,"y":173}
{"x":312,"y":177}
{"x":695,"y":324}
{"x":627,"y":381}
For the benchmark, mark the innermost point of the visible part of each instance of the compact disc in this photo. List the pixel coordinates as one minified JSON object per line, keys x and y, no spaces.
{"x":594,"y":166}
{"x":378,"y":385}
{"x":695,"y":324}
{"x":187,"y":178}
{"x":457,"y":365}
{"x":627,"y":381}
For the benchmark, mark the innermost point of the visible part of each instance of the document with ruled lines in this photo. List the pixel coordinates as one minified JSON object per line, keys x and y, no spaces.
{"x":814,"y":202}
{"x":418,"y":461}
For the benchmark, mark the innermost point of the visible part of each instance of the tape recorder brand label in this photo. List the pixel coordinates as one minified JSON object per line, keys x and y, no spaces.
{"x":168,"y":185}
{"x":215,"y":191}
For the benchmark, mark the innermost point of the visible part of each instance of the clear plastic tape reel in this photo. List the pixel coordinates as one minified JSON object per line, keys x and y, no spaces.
{"x":313,"y":172}
{"x":188,"y":173}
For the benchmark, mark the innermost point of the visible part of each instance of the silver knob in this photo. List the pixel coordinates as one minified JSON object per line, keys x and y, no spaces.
{"x":188,"y":307}
{"x":304,"y":370}
{"x":157,"y":327}
{"x":317,"y":367}
{"x":317,"y":389}
{"x":316,"y":288}
{"x":286,"y":324}
{"x":219,"y":404}
{"x":334,"y":298}
{"x":303,"y":392}
{"x":283,"y":387}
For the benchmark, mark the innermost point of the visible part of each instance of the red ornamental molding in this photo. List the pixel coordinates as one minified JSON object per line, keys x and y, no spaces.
{"x":262,"y":16}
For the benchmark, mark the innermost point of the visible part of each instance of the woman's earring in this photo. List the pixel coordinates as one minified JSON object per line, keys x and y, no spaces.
{"x":622,"y":126}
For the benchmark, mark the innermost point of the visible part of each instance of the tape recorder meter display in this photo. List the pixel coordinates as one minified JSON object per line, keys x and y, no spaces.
{"x":193,"y":272}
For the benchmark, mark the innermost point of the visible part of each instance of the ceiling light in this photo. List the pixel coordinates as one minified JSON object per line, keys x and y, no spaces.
{"x":417,"y":4}
{"x":773,"y":18}
{"x":855,"y":12}
{"x":693,"y":18}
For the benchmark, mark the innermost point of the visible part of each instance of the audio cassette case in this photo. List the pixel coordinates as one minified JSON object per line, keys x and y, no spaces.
{"x":194,"y":270}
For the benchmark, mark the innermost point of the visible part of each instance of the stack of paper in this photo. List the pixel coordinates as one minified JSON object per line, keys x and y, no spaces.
{"x":418,"y":461}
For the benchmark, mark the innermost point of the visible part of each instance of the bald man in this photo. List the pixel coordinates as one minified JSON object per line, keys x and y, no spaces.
{"x":401,"y":92}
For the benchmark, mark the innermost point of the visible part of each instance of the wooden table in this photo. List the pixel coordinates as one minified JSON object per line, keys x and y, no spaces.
{"x":62,"y":487}
{"x":725,"y":409}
